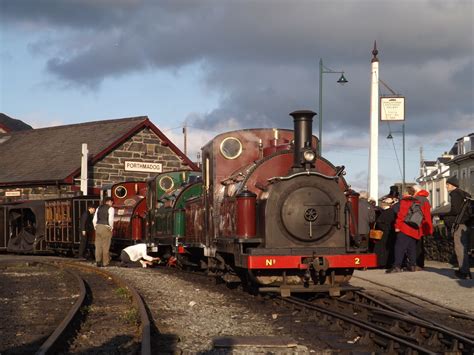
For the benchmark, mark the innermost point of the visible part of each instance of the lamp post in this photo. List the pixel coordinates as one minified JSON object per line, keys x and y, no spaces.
{"x":403,"y":135}
{"x":342,"y":80}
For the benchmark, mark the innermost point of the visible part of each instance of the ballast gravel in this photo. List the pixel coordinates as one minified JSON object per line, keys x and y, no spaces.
{"x":190,"y":313}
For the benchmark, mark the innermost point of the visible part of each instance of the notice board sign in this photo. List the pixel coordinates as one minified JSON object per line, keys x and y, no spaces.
{"x":143,"y":167}
{"x":392,"y":108}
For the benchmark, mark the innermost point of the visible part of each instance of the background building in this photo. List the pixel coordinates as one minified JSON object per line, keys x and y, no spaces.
{"x":458,"y":162}
{"x":433,"y":179}
{"x":462,"y":164}
{"x":46,"y":163}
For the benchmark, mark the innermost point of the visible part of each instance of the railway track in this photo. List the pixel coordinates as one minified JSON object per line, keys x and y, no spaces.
{"x":107,"y":315}
{"x":378,"y":326}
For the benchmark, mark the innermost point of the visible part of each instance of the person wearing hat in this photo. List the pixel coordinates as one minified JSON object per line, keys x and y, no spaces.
{"x":458,"y":226}
{"x":384,"y":248}
{"x":366,"y":217}
{"x":86,"y":227}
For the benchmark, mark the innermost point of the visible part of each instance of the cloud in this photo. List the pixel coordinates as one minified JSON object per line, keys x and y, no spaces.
{"x":261,"y":57}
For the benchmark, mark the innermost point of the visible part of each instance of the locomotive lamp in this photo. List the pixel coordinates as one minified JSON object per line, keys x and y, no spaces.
{"x":342,"y":80}
{"x":309,"y":156}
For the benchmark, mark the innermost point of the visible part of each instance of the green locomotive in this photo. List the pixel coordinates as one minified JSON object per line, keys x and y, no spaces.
{"x":166,"y":197}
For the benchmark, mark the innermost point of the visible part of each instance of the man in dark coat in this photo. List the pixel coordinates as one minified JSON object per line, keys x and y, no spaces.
{"x":385,"y":247}
{"x":86,"y":227}
{"x":458,"y":225}
{"x":366,"y":217}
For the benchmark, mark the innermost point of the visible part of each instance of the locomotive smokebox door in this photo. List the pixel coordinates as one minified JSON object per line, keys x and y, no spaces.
{"x":308,"y":214}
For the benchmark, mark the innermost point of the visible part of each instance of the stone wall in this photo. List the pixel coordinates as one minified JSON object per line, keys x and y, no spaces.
{"x":37,"y":193}
{"x":144,"y":146}
{"x":440,"y":246}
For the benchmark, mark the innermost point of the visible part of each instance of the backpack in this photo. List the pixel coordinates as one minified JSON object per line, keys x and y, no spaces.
{"x":468,"y":209}
{"x":414,"y":217}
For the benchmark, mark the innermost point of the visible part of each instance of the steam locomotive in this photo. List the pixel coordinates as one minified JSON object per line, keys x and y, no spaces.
{"x":269,"y":213}
{"x":265,"y":211}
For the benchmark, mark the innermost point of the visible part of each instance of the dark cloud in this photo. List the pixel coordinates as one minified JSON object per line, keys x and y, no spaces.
{"x":262,"y":56}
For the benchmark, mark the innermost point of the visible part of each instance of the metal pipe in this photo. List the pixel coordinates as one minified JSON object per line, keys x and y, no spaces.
{"x":320,"y":143}
{"x":403,"y":177}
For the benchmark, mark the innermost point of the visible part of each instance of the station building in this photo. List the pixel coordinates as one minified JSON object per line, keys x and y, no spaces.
{"x":46,"y":163}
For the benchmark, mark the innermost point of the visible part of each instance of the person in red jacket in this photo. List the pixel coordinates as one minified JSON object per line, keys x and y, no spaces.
{"x":407,"y":235}
{"x":427,"y":225}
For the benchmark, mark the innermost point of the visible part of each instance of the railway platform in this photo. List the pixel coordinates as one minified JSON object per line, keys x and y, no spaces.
{"x":435,"y":283}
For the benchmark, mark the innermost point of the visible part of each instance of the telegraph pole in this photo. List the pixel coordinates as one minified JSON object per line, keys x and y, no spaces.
{"x":185,"y":133}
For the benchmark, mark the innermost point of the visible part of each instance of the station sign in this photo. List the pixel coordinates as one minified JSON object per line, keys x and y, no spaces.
{"x":15,"y":193}
{"x":143,"y":167}
{"x":392,"y":108}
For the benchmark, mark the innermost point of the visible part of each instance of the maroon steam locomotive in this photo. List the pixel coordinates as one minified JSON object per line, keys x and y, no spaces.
{"x":272,"y":214}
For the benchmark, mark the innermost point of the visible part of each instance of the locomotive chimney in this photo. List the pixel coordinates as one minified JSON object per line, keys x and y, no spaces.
{"x":303,"y":121}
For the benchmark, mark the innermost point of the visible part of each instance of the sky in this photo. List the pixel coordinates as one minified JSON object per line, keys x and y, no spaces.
{"x":219,"y":65}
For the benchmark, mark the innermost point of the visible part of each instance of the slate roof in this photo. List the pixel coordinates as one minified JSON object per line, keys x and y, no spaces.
{"x":53,"y":154}
{"x":443,"y":160}
{"x":13,"y":124}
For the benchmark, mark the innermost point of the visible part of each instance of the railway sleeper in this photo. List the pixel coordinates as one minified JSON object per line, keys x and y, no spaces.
{"x":433,"y":341}
{"x":418,"y":333}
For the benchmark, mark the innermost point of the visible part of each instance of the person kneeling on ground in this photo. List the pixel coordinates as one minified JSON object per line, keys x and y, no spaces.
{"x":136,"y":255}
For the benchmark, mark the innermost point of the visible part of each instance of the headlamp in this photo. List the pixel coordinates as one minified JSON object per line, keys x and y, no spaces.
{"x":309,"y":156}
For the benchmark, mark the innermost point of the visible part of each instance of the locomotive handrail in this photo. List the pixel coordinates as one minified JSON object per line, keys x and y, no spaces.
{"x":307,"y":173}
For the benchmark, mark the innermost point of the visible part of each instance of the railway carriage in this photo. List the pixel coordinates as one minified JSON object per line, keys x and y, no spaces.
{"x":52,"y":225}
{"x":62,"y":219}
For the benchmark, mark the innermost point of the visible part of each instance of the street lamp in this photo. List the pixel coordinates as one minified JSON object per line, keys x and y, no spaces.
{"x":403,"y":135}
{"x":342,"y":80}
